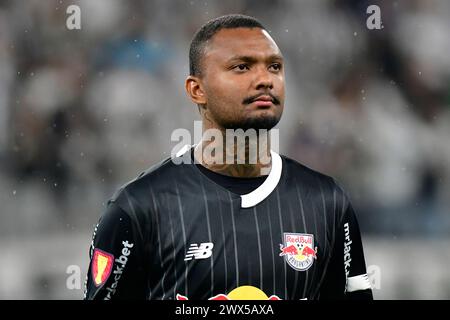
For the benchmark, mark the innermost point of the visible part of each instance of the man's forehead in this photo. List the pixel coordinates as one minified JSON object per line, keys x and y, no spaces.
{"x":227,"y":43}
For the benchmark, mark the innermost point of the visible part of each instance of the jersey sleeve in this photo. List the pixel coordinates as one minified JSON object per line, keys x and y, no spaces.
{"x":346,"y":276}
{"x":116,"y":258}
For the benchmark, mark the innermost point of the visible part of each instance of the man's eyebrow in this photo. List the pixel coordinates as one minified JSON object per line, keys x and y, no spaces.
{"x":252,"y":59}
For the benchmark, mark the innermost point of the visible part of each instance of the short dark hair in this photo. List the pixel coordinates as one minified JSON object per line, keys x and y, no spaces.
{"x":209,"y":29}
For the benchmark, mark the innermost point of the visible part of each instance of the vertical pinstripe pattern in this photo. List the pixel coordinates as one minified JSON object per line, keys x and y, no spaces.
{"x":325,"y":241}
{"x":332,"y":245}
{"x":261,"y":286}
{"x":180,"y":210}
{"x":173,"y":248}
{"x":133,"y":212}
{"x":303,"y":201}
{"x":224,"y":243}
{"x":205,"y":199}
{"x":282,"y":240}
{"x":324,"y":216}
{"x":315,"y":227}
{"x":330,"y":252}
{"x":235,"y":241}
{"x":293,"y":229}
{"x":316,"y":235}
{"x":160,"y":243}
{"x":271,"y":242}
{"x":249,"y":270}
{"x":141,"y":236}
{"x":299,"y":197}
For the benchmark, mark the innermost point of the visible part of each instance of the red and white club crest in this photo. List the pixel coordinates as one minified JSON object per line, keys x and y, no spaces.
{"x":298,"y":250}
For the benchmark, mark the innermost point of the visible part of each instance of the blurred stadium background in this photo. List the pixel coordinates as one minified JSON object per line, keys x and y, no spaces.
{"x":83,"y":111}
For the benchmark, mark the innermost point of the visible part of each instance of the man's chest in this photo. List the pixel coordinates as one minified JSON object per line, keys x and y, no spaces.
{"x":218,"y":247}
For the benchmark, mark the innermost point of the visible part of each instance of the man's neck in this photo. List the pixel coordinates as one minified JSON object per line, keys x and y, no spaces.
{"x":251,"y":158}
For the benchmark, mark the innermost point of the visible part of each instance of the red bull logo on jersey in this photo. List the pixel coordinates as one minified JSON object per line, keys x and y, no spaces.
{"x":239,"y":293}
{"x":298,"y":250}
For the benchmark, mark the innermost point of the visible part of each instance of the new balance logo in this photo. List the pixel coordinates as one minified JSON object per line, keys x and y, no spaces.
{"x":199,"y":252}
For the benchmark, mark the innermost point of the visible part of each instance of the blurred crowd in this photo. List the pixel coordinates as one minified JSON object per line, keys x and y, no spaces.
{"x":84,"y":111}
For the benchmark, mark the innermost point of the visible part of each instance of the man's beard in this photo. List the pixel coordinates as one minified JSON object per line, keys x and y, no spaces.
{"x":266,"y":122}
{"x":263,"y":121}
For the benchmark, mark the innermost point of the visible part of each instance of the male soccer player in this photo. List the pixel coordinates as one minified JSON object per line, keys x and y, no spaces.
{"x":268,"y":229}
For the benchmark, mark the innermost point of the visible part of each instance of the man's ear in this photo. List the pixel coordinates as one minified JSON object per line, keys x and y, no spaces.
{"x":194,"y":89}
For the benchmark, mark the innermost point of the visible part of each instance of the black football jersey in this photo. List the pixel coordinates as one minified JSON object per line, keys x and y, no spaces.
{"x":173,"y":233}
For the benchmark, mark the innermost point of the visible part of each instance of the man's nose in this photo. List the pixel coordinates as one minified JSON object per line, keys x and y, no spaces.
{"x":263,"y":79}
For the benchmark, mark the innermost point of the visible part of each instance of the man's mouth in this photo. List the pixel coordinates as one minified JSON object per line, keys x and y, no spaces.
{"x":263,"y":101}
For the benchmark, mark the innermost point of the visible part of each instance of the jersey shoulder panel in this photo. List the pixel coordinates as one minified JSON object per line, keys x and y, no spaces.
{"x":318,"y":185}
{"x":308,"y":175}
{"x":145,"y":177}
{"x":155,"y":179}
{"x":138,"y":197}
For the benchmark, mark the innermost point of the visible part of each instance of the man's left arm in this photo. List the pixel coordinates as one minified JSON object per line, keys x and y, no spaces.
{"x":357,"y":281}
{"x":346,"y":275}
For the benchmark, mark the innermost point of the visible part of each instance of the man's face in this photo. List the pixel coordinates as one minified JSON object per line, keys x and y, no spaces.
{"x":243,"y":79}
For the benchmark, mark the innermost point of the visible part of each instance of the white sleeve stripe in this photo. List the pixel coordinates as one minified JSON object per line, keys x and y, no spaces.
{"x":356,"y":283}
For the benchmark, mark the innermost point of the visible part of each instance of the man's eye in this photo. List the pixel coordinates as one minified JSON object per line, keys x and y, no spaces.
{"x":276,"y":66}
{"x":241,"y":67}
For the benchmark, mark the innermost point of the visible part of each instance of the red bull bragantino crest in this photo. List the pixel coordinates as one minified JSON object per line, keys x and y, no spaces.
{"x":298,"y":250}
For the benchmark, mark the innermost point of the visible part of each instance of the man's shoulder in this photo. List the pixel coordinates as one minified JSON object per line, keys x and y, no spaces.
{"x":317,"y":185}
{"x":294,"y":167}
{"x":160,"y":176}
{"x":313,"y":179}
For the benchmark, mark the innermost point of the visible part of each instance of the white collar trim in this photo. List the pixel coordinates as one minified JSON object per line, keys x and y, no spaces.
{"x":263,"y":191}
